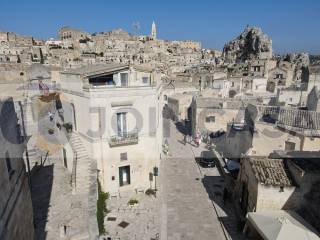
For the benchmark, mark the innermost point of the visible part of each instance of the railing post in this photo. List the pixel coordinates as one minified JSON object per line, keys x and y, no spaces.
{"x":74,"y":174}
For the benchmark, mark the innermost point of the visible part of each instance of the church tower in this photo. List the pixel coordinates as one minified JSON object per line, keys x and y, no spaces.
{"x":153,"y":31}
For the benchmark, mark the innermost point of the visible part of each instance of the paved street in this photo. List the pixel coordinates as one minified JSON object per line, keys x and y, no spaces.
{"x":187,"y":211}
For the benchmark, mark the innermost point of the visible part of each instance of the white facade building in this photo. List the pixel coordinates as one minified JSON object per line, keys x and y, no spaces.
{"x":117,"y":110}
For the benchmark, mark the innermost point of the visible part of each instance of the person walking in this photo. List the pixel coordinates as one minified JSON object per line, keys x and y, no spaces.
{"x":197,"y":139}
{"x":185,"y":139}
{"x":50,"y":114}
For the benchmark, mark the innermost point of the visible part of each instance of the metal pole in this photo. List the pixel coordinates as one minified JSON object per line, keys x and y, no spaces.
{"x":155,"y":186}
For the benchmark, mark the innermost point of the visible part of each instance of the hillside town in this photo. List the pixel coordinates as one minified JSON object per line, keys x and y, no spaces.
{"x":114,"y":135}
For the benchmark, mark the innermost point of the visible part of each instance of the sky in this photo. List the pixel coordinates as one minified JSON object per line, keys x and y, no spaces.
{"x":293,"y":25}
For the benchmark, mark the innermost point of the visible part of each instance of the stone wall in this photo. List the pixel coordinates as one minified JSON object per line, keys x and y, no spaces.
{"x":16,"y":214}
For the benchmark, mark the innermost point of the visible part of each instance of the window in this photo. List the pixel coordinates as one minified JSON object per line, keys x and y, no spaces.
{"x":124,"y":176}
{"x":289,"y":146}
{"x":123,"y":156}
{"x":232,"y":84}
{"x":145,"y":80}
{"x":256,"y":68}
{"x":102,"y":80}
{"x":124,"y":79}
{"x":210,"y":119}
{"x":122,"y":123}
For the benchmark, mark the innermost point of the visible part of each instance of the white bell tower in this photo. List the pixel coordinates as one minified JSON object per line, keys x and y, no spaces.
{"x":153,"y":31}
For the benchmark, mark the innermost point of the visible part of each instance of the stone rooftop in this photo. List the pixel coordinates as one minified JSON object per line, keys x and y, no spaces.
{"x":94,"y":69}
{"x":302,"y":121}
{"x":308,"y":161}
{"x":209,"y":102}
{"x":299,"y":118}
{"x":270,"y":171}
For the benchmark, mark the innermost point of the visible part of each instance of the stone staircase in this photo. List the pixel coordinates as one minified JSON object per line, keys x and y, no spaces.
{"x":81,"y":165}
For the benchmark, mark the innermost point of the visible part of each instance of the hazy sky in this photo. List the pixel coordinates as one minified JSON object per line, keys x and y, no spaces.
{"x":293,"y":25}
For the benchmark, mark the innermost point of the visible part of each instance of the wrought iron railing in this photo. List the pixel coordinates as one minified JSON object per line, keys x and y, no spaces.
{"x":125,"y":138}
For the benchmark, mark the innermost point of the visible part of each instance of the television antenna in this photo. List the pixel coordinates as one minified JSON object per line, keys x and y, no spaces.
{"x":136,"y":27}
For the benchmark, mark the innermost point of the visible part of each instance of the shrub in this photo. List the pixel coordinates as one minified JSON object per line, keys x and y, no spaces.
{"x":101,"y":208}
{"x":68,"y":127}
{"x":133,"y":201}
{"x":150,"y":192}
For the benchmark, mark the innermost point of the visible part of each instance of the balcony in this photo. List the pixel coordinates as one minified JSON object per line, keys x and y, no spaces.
{"x":124,"y":139}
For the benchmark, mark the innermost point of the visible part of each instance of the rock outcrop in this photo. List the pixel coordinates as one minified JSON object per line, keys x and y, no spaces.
{"x":300,"y":59}
{"x":251,"y":44}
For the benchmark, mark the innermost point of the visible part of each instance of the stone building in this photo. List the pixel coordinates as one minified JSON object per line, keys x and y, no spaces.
{"x":278,"y":77}
{"x":263,"y":184}
{"x":214,"y":114}
{"x":283,"y":129}
{"x":71,"y":36}
{"x":180,"y":105}
{"x":313,"y":100}
{"x":16,"y":218}
{"x":287,"y":180}
{"x":123,"y":123}
{"x":304,"y":168}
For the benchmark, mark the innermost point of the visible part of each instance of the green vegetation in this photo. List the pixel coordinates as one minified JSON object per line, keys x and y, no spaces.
{"x":101,"y":208}
{"x":68,"y":126}
{"x":150,"y":192}
{"x":132,"y":202}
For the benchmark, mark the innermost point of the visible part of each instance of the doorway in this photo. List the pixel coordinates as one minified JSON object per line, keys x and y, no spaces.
{"x":124,"y":175}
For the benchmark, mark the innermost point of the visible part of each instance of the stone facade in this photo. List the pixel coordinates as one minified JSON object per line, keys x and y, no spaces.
{"x":16,"y":219}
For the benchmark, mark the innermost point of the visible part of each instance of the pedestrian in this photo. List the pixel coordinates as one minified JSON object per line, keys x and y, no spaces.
{"x":50,"y":114}
{"x":185,"y":139}
{"x":196,"y":140}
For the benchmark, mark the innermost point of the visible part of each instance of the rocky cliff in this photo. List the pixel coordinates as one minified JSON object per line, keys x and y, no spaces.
{"x":300,"y":59}
{"x":252,"y":43}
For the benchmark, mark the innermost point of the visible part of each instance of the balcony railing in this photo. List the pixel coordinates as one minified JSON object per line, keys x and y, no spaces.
{"x":124,"y":139}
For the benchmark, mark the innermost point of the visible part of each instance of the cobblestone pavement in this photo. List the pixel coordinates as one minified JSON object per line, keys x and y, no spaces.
{"x":187,"y":211}
{"x":143,"y":218}
{"x":189,"y":204}
{"x":214,"y":184}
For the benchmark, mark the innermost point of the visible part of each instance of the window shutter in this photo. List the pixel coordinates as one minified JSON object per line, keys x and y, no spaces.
{"x":128,"y":174}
